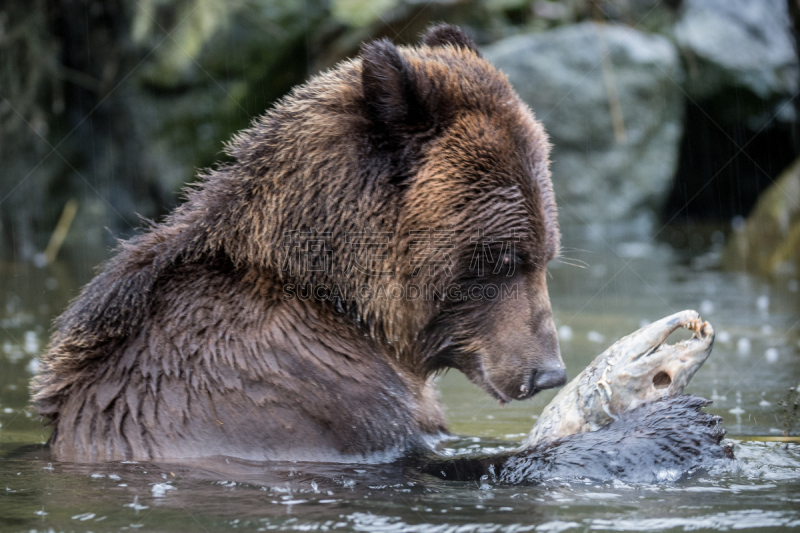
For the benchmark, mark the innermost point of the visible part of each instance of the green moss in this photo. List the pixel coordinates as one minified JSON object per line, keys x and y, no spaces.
{"x":361,"y":13}
{"x":769,"y":243}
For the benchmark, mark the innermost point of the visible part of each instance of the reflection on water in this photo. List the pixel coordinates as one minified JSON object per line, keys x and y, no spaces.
{"x":627,"y":281}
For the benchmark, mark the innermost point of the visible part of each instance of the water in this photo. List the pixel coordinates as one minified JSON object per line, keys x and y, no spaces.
{"x":628,"y":280}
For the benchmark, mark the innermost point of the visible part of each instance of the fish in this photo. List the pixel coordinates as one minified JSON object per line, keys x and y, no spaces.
{"x":625,"y":417}
{"x":636,"y":370}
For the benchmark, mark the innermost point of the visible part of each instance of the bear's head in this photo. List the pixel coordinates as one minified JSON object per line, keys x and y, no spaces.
{"x":478,"y":220}
{"x":426,"y":181}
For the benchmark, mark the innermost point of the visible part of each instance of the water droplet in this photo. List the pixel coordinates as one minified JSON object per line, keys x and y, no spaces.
{"x":594,"y":336}
{"x":771,"y":355}
{"x":33,"y":366}
{"x":31,"y":342}
{"x":743,"y":346}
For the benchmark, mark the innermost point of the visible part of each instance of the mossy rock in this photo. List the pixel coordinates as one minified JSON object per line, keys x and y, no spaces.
{"x":769,"y":242}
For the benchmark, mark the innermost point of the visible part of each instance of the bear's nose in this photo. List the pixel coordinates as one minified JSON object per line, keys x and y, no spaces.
{"x":550,"y":379}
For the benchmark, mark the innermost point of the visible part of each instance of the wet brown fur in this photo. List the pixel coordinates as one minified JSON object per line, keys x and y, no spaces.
{"x":186,"y":344}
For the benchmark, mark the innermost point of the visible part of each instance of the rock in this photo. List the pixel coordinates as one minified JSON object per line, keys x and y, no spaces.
{"x":769,"y":242}
{"x":654,"y":16}
{"x":737,"y":43}
{"x":610,"y":100}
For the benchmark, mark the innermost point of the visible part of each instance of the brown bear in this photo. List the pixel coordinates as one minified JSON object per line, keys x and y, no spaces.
{"x":389,"y":219}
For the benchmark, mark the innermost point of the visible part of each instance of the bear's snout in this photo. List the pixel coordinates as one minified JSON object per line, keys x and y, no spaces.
{"x":549,"y":379}
{"x":522,"y":355}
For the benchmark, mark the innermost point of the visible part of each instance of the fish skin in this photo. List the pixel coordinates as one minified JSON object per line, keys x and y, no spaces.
{"x":622,"y":378}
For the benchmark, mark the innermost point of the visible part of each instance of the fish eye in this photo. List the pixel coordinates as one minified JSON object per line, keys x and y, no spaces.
{"x":662,"y":380}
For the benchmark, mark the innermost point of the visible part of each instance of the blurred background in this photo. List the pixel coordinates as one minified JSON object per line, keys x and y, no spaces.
{"x":661,"y":111}
{"x":675,"y":132}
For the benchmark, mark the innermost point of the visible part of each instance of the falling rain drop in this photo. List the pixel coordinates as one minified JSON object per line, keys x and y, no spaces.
{"x":743,"y":346}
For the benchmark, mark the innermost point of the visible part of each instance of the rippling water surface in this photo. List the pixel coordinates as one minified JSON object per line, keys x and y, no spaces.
{"x":629,"y":280}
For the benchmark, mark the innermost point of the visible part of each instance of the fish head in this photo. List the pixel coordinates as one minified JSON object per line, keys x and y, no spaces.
{"x":643,"y":368}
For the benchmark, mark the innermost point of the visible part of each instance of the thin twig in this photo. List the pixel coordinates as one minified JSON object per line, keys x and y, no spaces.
{"x":614,"y":107}
{"x":60,"y":233}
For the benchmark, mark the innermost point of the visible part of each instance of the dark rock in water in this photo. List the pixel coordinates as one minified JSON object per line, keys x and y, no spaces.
{"x":729,"y":155}
{"x":657,"y":442}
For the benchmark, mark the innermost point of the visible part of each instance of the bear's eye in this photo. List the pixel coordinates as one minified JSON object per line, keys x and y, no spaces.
{"x":507,"y":264}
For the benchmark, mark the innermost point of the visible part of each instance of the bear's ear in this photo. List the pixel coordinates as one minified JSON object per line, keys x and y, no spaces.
{"x":444,"y":34}
{"x":391,"y":93}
